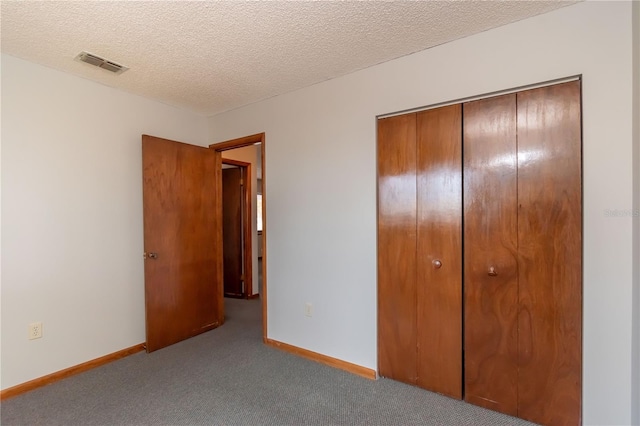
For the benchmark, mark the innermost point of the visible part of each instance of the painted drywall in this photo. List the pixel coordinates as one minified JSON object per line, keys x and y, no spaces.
{"x":0,"y":222}
{"x":321,"y":167}
{"x":635,"y":395}
{"x":248,"y":154}
{"x":72,"y":215}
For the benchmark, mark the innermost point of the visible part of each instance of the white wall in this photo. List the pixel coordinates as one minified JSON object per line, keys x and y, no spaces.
{"x":635,"y":396}
{"x":72,"y":215}
{"x":248,"y":154}
{"x":321,"y":166}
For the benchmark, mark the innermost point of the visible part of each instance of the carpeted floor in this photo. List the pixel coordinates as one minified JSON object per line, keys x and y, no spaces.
{"x":228,"y":377}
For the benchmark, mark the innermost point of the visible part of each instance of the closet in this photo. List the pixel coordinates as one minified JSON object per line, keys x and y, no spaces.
{"x":480,"y":252}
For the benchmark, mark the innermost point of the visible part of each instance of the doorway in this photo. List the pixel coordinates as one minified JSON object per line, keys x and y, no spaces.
{"x":222,"y":150}
{"x":182,"y":213}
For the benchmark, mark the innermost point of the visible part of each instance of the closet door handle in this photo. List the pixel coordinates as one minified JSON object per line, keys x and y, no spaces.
{"x":492,"y":271}
{"x":437,"y":264}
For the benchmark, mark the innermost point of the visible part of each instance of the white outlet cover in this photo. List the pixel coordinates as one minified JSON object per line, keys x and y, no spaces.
{"x":35,"y":330}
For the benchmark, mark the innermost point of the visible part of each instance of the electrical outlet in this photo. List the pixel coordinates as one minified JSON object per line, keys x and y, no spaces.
{"x":35,"y":330}
{"x":308,"y":309}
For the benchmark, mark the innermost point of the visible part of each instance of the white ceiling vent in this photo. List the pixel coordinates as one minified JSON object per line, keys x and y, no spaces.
{"x":92,"y":59}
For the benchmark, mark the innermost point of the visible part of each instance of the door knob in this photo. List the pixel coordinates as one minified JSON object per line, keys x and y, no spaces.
{"x":151,"y":255}
{"x":492,"y":271}
{"x":437,"y":264}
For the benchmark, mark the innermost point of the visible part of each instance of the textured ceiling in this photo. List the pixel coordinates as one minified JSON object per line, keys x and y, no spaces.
{"x":211,"y":56}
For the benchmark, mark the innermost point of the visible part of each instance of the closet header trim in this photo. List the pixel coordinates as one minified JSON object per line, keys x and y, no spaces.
{"x":483,"y":96}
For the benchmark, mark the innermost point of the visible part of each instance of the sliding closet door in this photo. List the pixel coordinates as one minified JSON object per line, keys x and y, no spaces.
{"x":490,"y":253}
{"x":439,"y":246}
{"x":397,"y":247}
{"x":550,"y":247}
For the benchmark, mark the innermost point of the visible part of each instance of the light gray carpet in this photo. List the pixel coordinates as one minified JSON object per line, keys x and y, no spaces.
{"x":228,"y":377}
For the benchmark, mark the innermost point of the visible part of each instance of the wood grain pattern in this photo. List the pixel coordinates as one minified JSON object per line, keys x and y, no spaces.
{"x":439,"y":217}
{"x":490,"y":233}
{"x":550,"y":246}
{"x":247,"y":231}
{"x":180,"y":201}
{"x":238,"y":142}
{"x":324,"y":359}
{"x":397,"y":247}
{"x":232,"y":233}
{"x":218,"y":282}
{"x":68,"y":372}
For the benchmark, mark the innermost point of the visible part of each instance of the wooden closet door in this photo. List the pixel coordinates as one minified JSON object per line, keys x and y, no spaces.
{"x":490,"y":253}
{"x":397,"y":247}
{"x":439,"y":250}
{"x":550,"y":247}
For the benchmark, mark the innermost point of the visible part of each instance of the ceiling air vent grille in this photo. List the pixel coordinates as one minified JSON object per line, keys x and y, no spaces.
{"x":105,"y":64}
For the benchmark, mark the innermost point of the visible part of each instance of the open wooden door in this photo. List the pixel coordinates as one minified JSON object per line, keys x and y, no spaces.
{"x":232,"y":209}
{"x":182,"y":240}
